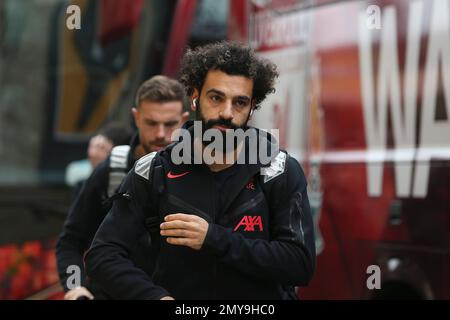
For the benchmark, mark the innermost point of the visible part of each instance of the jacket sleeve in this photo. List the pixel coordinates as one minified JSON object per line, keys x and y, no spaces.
{"x":83,"y":219}
{"x":289,"y":256}
{"x":108,"y":260}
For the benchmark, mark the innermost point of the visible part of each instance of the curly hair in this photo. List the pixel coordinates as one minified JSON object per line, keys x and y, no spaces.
{"x":233,"y":59}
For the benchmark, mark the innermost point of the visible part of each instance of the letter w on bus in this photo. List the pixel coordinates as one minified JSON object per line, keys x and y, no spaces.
{"x":433,"y":138}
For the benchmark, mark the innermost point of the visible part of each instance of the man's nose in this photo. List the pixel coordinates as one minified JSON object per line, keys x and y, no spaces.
{"x":160,"y":131}
{"x":227,"y":111}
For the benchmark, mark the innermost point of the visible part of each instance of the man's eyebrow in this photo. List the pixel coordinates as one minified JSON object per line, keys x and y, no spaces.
{"x":215,"y":91}
{"x":171,"y":122}
{"x":223,"y":94}
{"x":242,"y":98}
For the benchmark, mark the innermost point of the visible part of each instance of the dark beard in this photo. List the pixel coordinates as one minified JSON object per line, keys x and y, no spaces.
{"x":206,"y":125}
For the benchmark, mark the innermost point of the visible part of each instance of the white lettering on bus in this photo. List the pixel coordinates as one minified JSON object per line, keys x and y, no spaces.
{"x":434,"y":141}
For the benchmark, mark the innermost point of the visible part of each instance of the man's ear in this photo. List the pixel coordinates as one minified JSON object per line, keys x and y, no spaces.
{"x":252,"y":110}
{"x":184,"y":117}
{"x":135,"y":113}
{"x":194,"y":100}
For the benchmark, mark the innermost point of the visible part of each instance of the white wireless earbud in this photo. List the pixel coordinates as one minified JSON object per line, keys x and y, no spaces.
{"x":251,"y":112}
{"x":194,"y":102}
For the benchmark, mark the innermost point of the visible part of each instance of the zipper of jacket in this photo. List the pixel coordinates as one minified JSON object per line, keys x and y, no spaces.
{"x":181,"y":203}
{"x":299,"y":208}
{"x":253,"y":202}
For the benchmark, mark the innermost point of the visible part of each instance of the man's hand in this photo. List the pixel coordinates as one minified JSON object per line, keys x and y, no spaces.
{"x":78,"y":292}
{"x":185,"y":230}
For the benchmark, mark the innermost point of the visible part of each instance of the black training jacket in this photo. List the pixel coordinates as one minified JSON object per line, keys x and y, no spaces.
{"x":259,"y":245}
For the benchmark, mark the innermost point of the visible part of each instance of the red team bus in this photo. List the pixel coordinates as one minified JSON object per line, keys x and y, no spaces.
{"x":363,"y":102}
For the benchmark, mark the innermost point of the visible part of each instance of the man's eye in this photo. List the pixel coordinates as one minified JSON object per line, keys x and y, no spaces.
{"x":215,"y":98}
{"x":241,"y":103}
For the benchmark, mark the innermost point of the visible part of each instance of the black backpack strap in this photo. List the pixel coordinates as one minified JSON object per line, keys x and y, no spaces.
{"x":118,"y":169}
{"x":118,"y":165}
{"x":267,"y":178}
{"x":152,"y":218}
{"x":268,"y":175}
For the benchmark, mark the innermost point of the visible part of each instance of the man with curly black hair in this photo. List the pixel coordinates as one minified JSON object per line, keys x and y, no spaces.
{"x":232,"y":59}
{"x":220,"y":229}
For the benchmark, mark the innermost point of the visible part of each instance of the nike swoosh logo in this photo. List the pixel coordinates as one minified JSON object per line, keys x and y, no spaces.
{"x":170,"y":175}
